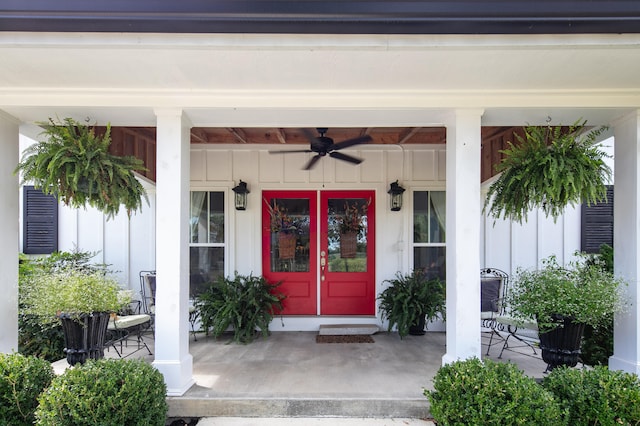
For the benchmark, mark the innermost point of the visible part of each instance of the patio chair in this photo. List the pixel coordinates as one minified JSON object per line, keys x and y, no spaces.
{"x":493,"y":287}
{"x":148,"y":295}
{"x":126,"y":324}
{"x":526,"y":332}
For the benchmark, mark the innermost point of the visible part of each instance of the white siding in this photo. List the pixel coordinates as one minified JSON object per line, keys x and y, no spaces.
{"x":416,"y":167}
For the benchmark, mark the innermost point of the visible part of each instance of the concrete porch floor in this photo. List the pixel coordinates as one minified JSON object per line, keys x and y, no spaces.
{"x":290,"y":375}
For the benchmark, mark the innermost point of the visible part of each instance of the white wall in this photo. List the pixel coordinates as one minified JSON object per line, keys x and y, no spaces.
{"x":419,"y":167}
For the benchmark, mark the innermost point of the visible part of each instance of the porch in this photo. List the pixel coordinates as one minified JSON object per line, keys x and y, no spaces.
{"x":290,"y":375}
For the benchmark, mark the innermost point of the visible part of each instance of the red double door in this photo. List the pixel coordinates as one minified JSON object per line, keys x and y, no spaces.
{"x":321,"y":245}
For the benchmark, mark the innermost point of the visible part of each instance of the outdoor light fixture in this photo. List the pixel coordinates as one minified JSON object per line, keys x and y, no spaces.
{"x":396,"y":196}
{"x":241,"y":195}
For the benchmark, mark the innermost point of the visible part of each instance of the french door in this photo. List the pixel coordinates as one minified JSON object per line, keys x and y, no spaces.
{"x":321,"y":245}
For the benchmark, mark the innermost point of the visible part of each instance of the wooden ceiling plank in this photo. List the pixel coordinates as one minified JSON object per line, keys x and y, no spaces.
{"x":366,"y":131}
{"x":282,"y":137}
{"x":199,"y":136}
{"x":238,"y":134}
{"x":407,"y":134}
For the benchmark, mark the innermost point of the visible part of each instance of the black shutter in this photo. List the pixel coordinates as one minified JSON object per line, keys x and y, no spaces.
{"x":40,"y":222}
{"x":597,"y":224}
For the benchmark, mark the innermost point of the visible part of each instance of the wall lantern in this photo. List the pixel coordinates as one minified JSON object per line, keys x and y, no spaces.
{"x":241,"y":195}
{"x":396,"y":196}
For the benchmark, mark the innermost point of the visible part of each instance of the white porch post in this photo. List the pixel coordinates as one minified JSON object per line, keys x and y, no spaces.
{"x":172,"y":357}
{"x":463,"y":235}
{"x":626,"y":217}
{"x":9,"y":214}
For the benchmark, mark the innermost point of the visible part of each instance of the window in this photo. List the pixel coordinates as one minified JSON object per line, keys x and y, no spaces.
{"x":206,"y":239}
{"x":429,"y":232}
{"x":40,"y":222}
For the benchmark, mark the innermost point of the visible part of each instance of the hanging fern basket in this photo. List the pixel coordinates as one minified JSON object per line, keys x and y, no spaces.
{"x":74,"y":164}
{"x":549,"y":168}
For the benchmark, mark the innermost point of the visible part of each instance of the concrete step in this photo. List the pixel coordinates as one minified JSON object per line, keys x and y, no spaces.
{"x":297,"y":407}
{"x":347,"y":329}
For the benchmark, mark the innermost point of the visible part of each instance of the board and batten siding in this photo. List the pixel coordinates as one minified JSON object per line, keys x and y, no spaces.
{"x":221,"y":167}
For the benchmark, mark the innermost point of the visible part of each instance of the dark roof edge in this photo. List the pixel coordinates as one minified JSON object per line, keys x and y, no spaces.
{"x":317,"y":16}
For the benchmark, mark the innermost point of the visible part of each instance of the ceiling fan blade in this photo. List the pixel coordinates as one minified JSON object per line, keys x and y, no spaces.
{"x":289,"y":151}
{"x":345,"y":157}
{"x":350,"y":142}
{"x":311,"y":162}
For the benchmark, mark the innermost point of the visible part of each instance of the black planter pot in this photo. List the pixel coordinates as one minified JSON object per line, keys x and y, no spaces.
{"x":84,"y":336}
{"x":561,"y":346}
{"x":417,"y":329}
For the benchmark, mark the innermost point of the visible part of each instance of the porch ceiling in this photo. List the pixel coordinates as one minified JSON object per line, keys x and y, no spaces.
{"x":141,"y":141}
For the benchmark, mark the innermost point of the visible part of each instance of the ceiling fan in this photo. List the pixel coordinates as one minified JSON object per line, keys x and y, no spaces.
{"x":323,"y":145}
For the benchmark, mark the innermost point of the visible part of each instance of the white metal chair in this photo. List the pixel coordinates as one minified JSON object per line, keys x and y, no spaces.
{"x":526,"y":332}
{"x":148,"y":295}
{"x":493,"y":287}
{"x":125,"y":324}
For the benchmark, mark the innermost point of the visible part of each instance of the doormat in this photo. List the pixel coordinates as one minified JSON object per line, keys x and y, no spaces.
{"x":352,"y":338}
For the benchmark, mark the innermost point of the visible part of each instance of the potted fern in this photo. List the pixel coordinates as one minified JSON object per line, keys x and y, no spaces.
{"x":82,"y":301}
{"x":247,"y":304}
{"x":73,"y":163}
{"x":411,"y":300}
{"x":549,"y":168}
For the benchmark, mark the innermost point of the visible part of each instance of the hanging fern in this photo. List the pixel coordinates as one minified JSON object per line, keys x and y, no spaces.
{"x":549,"y":168}
{"x":75,"y":165}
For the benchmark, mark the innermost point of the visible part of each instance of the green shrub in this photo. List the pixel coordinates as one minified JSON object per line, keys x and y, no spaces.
{"x":108,"y":392}
{"x":22,"y":380}
{"x":43,"y":339}
{"x":597,"y":342}
{"x":474,"y":392}
{"x":596,"y":397}
{"x":246,"y":303}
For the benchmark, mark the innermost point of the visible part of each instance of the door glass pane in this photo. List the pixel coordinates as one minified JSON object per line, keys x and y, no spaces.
{"x":289,"y":234}
{"x":347,"y":234}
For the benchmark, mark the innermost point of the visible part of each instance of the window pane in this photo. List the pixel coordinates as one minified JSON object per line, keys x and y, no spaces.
{"x":437,"y":216}
{"x":431,"y":260}
{"x":216,"y":217}
{"x":205,"y":265}
{"x":206,"y":220}
{"x":290,"y":235}
{"x":198,"y":223}
{"x":420,"y":217}
{"x":429,"y":217}
{"x":347,"y":234}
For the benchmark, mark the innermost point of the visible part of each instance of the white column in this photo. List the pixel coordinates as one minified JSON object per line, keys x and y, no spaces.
{"x":172,"y":357}
{"x":9,"y":244}
{"x":626,"y":217}
{"x":463,"y":235}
